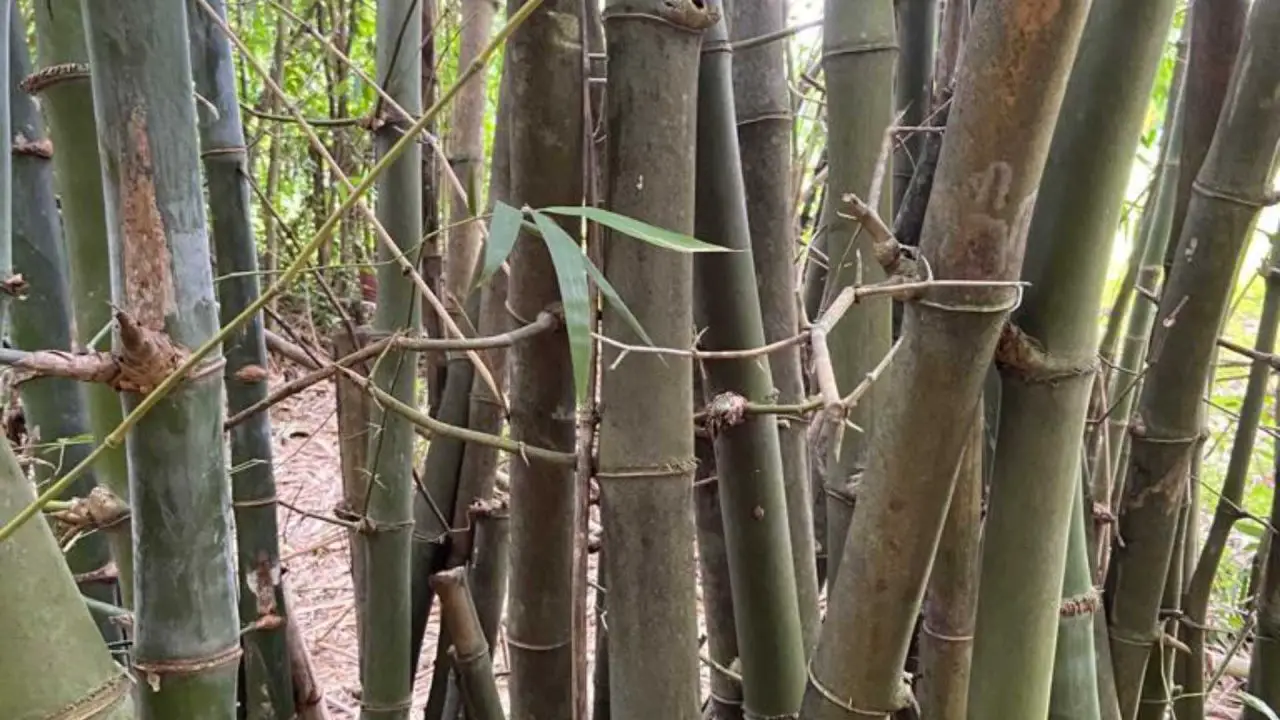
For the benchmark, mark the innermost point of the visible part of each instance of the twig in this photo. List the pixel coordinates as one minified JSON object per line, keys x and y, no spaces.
{"x":783,"y":34}
{"x":295,"y":353}
{"x":417,"y":417}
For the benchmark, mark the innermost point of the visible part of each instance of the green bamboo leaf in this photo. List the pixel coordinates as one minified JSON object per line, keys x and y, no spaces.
{"x":504,"y":228}
{"x":651,"y":234}
{"x":569,"y":262}
{"x":1257,"y":704}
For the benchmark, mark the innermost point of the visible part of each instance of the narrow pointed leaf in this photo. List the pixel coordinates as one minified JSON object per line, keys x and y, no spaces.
{"x":503,"y":230}
{"x":572,"y":278}
{"x":651,"y":234}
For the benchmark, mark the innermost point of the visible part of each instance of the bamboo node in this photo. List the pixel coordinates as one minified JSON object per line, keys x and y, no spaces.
{"x":48,"y":77}
{"x":1021,"y":355}
{"x":534,"y":647}
{"x":41,"y":148}
{"x":1236,"y":197}
{"x":372,"y":707}
{"x":1085,"y":604}
{"x":725,"y":410}
{"x":943,"y":637}
{"x":185,"y":666}
{"x":676,"y":469}
{"x":101,"y":509}
{"x":15,"y":286}
{"x":903,"y":699}
{"x":97,"y":702}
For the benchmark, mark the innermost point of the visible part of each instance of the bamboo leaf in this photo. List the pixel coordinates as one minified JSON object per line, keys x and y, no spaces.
{"x":611,"y":296}
{"x":1257,"y":704}
{"x":504,"y":228}
{"x":571,"y":275}
{"x":639,"y":230}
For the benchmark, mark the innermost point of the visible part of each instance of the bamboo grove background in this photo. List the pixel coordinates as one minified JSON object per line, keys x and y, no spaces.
{"x":690,"y":359}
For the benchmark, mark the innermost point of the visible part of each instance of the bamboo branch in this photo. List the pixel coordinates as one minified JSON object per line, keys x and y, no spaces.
{"x":421,"y":419}
{"x":545,"y":322}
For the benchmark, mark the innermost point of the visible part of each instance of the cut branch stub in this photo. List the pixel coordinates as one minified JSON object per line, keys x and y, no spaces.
{"x":146,"y":357}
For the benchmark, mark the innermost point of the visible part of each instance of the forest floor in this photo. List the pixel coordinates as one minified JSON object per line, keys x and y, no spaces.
{"x":315,"y":555}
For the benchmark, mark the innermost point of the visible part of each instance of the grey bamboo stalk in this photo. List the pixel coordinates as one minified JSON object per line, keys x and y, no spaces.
{"x":917,"y":22}
{"x":646,"y":448}
{"x":725,"y":696}
{"x":546,"y":85}
{"x":163,"y":286}
{"x":385,"y":673}
{"x":752,"y":497}
{"x":951,"y":602}
{"x":1266,"y":650}
{"x":1225,"y":514}
{"x":62,"y":85}
{"x":1125,"y":379}
{"x":54,"y":408}
{"x":1217,"y":27}
{"x":1046,"y":356}
{"x":762,"y":104}
{"x":1229,"y":188}
{"x":859,"y":56}
{"x":1074,"y":694}
{"x":975,"y":228}
{"x":268,"y":682}
{"x":54,"y":657}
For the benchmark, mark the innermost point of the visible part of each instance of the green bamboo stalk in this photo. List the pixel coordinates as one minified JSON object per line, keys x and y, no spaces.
{"x":53,"y":657}
{"x":385,"y":673}
{"x":761,"y":100}
{"x":984,"y":192}
{"x":917,"y":22}
{"x":1074,"y":692}
{"x":163,"y":285}
{"x":1217,"y":27}
{"x":470,"y":650}
{"x":1047,"y":354}
{"x":951,"y":602}
{"x":1226,"y":512}
{"x":1263,"y":665}
{"x":725,"y":701}
{"x":62,"y":85}
{"x":859,"y":55}
{"x":1158,"y":680}
{"x":1126,"y":377}
{"x":544,"y":63}
{"x":54,"y":408}
{"x":1219,"y":222}
{"x":752,"y":497}
{"x":268,"y":682}
{"x":646,"y":447}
